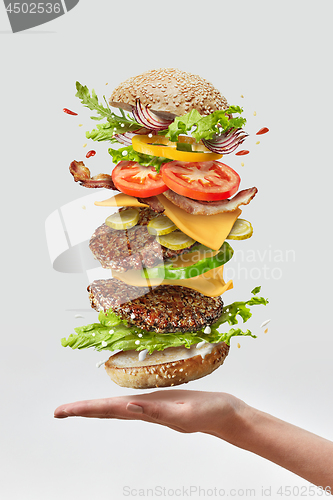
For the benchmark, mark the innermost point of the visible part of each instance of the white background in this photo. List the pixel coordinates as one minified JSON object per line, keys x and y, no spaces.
{"x":278,"y":56}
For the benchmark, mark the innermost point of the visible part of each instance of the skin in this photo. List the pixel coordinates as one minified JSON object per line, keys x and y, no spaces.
{"x":226,"y":417}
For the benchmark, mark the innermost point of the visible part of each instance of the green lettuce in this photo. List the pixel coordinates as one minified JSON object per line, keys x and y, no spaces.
{"x":112,"y":333}
{"x":205,"y":127}
{"x":127,"y":153}
{"x":116,"y":124}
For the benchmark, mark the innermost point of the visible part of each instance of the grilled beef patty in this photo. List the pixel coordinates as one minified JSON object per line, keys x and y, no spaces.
{"x":165,"y":309}
{"x":132,"y":248}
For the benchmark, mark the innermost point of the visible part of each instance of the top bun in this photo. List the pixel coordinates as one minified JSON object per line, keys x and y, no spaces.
{"x":169,"y":91}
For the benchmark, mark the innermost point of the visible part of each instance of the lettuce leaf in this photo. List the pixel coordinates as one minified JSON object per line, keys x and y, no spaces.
{"x":127,"y":153}
{"x":205,"y":127}
{"x":112,"y":333}
{"x":115,"y":124}
{"x":241,"y":309}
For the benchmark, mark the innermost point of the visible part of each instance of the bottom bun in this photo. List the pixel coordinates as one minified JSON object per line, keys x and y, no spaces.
{"x":173,"y":366}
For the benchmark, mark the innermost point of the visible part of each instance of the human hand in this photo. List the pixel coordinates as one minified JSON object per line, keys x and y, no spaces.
{"x":223,"y":416}
{"x":181,"y":410}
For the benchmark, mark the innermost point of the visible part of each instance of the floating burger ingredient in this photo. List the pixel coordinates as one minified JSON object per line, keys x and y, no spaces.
{"x":162,"y":309}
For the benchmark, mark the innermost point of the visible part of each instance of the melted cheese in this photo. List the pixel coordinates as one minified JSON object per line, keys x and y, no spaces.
{"x":210,"y":284}
{"x":120,"y":200}
{"x":210,"y":230}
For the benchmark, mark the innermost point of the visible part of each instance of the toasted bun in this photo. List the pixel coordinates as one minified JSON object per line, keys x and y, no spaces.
{"x":173,"y":366}
{"x":169,"y":91}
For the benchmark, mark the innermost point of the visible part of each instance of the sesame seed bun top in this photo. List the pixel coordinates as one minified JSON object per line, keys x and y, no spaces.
{"x":169,"y":91}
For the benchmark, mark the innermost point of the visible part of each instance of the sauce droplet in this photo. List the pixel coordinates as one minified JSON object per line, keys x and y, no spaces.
{"x":243,"y":152}
{"x":69,"y":112}
{"x":90,"y":153}
{"x":263,"y":130}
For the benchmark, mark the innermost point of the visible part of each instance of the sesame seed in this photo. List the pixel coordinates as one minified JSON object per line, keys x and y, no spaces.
{"x":258,"y":142}
{"x":238,"y":345}
{"x":104,"y":344}
{"x":265,"y":323}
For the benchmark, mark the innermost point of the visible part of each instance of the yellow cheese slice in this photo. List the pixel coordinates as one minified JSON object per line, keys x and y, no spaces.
{"x":210,"y":230}
{"x":210,"y":284}
{"x":120,"y":200}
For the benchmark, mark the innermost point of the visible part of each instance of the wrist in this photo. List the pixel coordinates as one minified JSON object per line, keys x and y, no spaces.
{"x":233,"y":419}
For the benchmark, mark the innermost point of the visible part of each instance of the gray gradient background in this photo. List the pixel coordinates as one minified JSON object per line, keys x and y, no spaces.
{"x":278,"y":55}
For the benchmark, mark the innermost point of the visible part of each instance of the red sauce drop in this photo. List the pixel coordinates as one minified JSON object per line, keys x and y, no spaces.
{"x":90,"y":153}
{"x":69,"y":112}
{"x":243,"y":152}
{"x":263,"y":130}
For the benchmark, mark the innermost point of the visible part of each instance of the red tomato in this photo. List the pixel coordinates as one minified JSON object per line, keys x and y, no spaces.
{"x":134,"y":179}
{"x":206,"y":180}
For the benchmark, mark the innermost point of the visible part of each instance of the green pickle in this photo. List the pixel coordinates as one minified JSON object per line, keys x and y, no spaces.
{"x":161,"y":225}
{"x":123,"y":220}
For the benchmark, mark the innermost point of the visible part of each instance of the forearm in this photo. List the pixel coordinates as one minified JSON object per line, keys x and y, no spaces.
{"x":307,"y":455}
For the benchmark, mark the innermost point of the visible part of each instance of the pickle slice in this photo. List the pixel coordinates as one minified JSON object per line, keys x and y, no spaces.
{"x":241,"y":230}
{"x":123,"y":220}
{"x":161,"y":225}
{"x":177,"y":240}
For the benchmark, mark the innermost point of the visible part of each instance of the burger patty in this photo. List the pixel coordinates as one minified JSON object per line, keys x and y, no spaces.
{"x":132,"y":248}
{"x":165,"y":309}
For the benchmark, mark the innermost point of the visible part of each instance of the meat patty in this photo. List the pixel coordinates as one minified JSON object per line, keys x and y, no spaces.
{"x":132,"y":248}
{"x":165,"y":309}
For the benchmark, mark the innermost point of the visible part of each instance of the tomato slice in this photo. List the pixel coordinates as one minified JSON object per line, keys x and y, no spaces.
{"x":134,"y":179}
{"x":207,"y":180}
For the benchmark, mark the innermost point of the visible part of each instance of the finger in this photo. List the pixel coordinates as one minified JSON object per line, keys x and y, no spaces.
{"x":96,"y":408}
{"x":120,"y":408}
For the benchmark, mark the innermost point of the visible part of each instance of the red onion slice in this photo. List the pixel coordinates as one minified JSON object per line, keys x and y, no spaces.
{"x":145,"y":117}
{"x":126,"y":138}
{"x":226,"y":142}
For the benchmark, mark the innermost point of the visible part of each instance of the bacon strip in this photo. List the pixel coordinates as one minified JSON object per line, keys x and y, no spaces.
{"x":196,"y":207}
{"x":81,"y":174}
